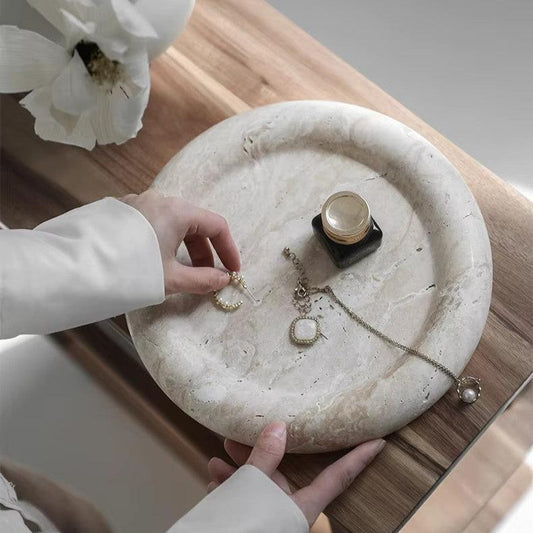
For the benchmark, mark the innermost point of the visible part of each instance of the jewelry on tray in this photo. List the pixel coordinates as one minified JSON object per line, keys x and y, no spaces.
{"x":468,"y":387}
{"x":238,"y":279}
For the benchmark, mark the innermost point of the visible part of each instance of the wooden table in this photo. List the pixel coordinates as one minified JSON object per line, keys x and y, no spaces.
{"x":233,"y":56}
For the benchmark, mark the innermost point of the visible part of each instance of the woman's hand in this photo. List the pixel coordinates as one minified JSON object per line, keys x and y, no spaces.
{"x":175,"y":221}
{"x":268,"y":453}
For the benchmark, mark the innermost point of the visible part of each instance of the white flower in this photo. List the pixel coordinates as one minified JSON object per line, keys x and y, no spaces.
{"x":92,"y":88}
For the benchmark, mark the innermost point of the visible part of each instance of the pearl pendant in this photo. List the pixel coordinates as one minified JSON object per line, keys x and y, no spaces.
{"x":469,"y":395}
{"x":468,"y":389}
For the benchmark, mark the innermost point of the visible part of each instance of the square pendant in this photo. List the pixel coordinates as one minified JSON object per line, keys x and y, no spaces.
{"x":304,"y":330}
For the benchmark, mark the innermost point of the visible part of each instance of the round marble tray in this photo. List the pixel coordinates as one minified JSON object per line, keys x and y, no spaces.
{"x":268,"y":172}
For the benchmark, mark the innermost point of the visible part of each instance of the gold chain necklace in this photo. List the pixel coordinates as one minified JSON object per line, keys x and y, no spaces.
{"x":305,"y":329}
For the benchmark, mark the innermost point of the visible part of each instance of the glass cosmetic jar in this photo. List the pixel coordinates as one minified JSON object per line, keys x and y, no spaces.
{"x":346,"y":228}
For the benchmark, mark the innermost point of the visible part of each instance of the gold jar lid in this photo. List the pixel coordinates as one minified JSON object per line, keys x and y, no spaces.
{"x":345,"y":217}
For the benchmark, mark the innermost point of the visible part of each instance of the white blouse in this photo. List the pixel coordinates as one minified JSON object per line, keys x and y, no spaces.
{"x":92,"y":263}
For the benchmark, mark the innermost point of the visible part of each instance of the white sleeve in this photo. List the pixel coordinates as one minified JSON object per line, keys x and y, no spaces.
{"x":248,"y":502}
{"x":92,"y":263}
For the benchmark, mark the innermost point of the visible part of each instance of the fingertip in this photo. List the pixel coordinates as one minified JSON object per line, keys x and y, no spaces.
{"x":212,"y":462}
{"x":212,"y":486}
{"x":227,"y":444}
{"x":218,"y":470}
{"x":373,"y":447}
{"x":277,"y":428}
{"x":363,"y":454}
{"x":224,"y":279}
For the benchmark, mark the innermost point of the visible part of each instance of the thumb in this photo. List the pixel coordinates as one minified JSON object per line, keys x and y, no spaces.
{"x":196,"y":280}
{"x":269,"y":448}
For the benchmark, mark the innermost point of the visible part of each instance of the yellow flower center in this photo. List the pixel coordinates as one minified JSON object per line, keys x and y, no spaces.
{"x":103,"y":71}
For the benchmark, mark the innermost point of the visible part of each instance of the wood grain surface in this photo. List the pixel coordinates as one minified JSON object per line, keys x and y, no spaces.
{"x":237,"y":55}
{"x":490,"y":479}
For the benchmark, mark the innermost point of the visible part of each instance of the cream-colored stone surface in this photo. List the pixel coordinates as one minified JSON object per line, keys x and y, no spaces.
{"x":268,"y":172}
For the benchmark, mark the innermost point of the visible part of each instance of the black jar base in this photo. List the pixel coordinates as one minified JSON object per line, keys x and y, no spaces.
{"x":344,"y":255}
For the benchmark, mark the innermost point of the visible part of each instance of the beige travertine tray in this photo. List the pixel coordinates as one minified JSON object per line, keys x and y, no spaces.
{"x":268,"y":172}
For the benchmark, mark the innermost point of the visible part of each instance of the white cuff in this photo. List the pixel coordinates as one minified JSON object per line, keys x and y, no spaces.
{"x":248,"y":502}
{"x":89,"y":264}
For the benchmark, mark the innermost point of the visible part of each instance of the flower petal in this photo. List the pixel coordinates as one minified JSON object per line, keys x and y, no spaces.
{"x":137,"y":72}
{"x":75,"y":30}
{"x":102,"y":122}
{"x":74,"y":91}
{"x":131,"y":20}
{"x":53,"y":11}
{"x":67,"y":121}
{"x":28,"y":60}
{"x":112,"y":47}
{"x":39,"y":104}
{"x":118,"y":118}
{"x":128,"y":112}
